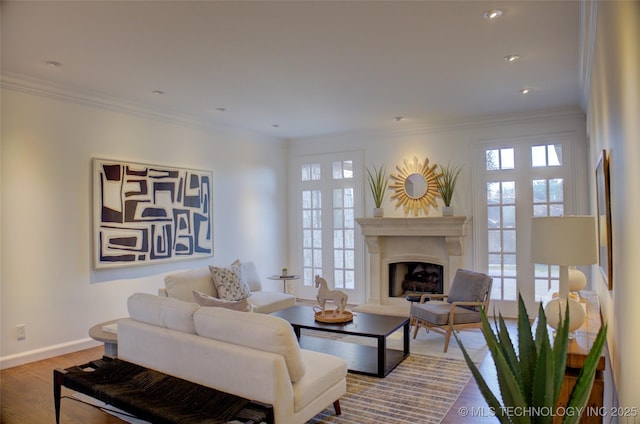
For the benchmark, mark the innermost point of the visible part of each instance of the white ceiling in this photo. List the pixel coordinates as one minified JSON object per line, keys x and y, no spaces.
{"x":310,"y":67}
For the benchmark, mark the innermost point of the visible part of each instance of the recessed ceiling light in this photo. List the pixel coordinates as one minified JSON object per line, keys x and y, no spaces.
{"x":511,"y":58}
{"x":525,"y":91}
{"x":221,"y":109}
{"x":53,"y":64}
{"x":398,"y":118}
{"x":157,"y":92}
{"x":275,"y":125}
{"x":492,"y":14}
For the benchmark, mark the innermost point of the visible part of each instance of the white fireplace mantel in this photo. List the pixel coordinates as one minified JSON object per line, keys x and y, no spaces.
{"x":429,"y":239}
{"x":452,"y":228}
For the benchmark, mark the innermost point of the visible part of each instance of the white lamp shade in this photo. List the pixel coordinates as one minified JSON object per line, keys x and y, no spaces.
{"x":563,"y":240}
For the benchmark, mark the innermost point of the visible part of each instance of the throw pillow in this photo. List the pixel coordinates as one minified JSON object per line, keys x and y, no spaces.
{"x":230,"y":282}
{"x":206,"y":300}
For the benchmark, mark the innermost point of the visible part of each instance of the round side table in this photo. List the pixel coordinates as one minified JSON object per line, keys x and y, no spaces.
{"x":109,"y":338}
{"x":284,"y":279}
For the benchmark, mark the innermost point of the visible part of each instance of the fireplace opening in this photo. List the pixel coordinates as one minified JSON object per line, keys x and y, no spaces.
{"x":415,"y":278}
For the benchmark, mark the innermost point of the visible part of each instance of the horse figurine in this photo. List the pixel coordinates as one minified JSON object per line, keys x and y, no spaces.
{"x":337,"y":297}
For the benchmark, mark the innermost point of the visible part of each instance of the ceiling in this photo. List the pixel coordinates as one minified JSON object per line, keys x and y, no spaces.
{"x":298,"y":69}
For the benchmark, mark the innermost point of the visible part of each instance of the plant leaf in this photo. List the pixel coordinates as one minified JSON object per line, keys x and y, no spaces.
{"x":488,"y":395}
{"x":526,"y":349}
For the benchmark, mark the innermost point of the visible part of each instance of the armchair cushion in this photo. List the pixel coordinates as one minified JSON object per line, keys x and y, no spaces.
{"x":437,"y":313}
{"x":469,"y":286}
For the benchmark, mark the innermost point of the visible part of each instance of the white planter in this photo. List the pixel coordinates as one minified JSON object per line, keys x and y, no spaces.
{"x":447,"y":211}
{"x":378,"y":212}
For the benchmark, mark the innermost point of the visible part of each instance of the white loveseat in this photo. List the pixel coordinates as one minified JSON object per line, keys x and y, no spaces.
{"x":181,"y":285}
{"x":255,"y":356}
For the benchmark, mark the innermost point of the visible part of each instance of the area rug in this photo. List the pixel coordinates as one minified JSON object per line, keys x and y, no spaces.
{"x":421,"y":389}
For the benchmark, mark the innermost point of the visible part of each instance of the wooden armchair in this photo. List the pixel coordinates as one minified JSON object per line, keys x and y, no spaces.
{"x":460,"y":309}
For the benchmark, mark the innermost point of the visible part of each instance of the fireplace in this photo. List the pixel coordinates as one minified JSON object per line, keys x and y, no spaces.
{"x":415,"y":278}
{"x":437,"y":242}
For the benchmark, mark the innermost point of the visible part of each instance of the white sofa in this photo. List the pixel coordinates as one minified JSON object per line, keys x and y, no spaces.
{"x":180,"y":285}
{"x":255,"y":356}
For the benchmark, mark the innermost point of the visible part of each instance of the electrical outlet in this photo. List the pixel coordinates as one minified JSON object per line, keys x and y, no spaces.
{"x":21,"y":331}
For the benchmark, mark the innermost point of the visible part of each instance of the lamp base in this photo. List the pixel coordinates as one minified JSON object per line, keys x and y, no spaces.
{"x":555,"y":312}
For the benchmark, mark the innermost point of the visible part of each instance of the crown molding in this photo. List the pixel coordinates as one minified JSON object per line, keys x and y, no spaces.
{"x":47,"y":89}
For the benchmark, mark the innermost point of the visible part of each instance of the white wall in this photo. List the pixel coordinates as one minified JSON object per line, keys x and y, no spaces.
{"x":614,"y":125}
{"x":47,"y":280}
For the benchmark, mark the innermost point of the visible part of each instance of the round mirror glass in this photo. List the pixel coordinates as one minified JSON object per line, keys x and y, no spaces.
{"x":415,"y":186}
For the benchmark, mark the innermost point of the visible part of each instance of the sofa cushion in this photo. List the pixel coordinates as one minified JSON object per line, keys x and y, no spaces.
{"x":180,"y":285}
{"x":265,"y":302}
{"x":230,"y":282}
{"x":206,"y":300}
{"x":257,"y":331}
{"x":162,"y":311}
{"x":323,"y":371}
{"x":251,"y":275}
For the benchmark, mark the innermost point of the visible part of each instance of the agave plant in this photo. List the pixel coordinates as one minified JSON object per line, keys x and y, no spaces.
{"x":378,"y":180}
{"x":531,"y":377}
{"x":446,"y":181}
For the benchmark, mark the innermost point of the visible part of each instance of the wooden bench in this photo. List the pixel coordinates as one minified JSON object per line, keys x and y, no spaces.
{"x":156,"y":397}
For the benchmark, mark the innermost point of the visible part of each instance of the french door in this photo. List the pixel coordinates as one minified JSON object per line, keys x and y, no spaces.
{"x":328,"y":198}
{"x":517,"y":180}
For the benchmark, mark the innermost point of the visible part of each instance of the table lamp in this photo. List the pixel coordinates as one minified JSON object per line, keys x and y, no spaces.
{"x":565,"y":241}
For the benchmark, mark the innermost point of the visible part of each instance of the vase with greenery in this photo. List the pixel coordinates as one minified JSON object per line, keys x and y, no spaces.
{"x":530,"y":375}
{"x":378,"y":181}
{"x":446,"y":183}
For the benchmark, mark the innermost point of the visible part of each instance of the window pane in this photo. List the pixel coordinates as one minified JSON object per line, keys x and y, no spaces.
{"x":337,"y":198}
{"x":556,"y":192}
{"x":556,"y":210}
{"x":317,"y":258}
{"x":306,"y":238}
{"x":493,"y":193}
{"x":495,"y":243}
{"x":349,"y":239}
{"x":540,"y":210}
{"x":316,"y":218}
{"x":538,"y":156}
{"x":337,"y":170}
{"x":493,"y":217}
{"x":347,"y":169}
{"x":493,"y":162}
{"x":306,"y":199}
{"x":508,"y":217}
{"x":305,"y":170}
{"x":338,"y":259}
{"x":338,"y":239}
{"x":555,"y":154}
{"x":507,"y":159}
{"x":315,"y":171}
{"x":510,"y":291}
{"x":337,"y":218}
{"x":539,"y":191}
{"x":508,"y":192}
{"x":306,"y":219}
{"x":317,"y":238}
{"x":509,"y":241}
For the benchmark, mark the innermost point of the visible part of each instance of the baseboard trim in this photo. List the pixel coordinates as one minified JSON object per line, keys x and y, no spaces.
{"x":22,"y":358}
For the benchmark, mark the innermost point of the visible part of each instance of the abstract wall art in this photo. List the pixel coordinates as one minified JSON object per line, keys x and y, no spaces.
{"x":145,"y":214}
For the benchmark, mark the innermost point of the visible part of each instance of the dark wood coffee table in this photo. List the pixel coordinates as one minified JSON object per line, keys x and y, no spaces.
{"x":377,"y":361}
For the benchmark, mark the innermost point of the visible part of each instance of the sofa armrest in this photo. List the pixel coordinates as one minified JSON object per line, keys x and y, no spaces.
{"x":162,"y":292}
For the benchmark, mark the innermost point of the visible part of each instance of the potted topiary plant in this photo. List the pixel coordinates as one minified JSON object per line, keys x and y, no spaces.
{"x":378,"y":181}
{"x":446,"y":183}
{"x":530,"y":377}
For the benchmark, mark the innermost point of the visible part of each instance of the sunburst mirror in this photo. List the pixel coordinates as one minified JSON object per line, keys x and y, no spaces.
{"x":415,"y":187}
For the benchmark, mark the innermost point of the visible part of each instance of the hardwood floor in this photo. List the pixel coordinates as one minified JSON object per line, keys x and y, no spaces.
{"x":27,"y":394}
